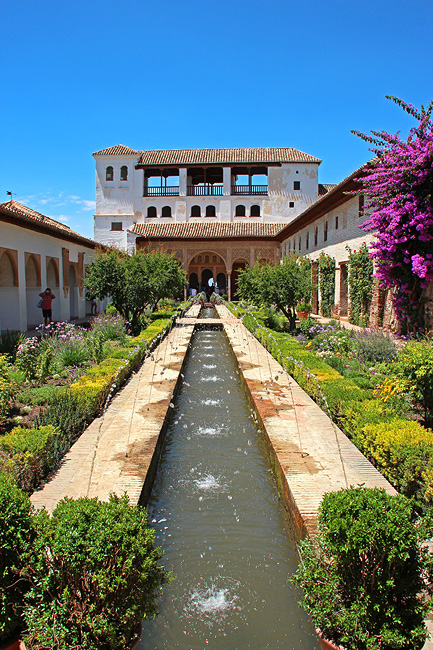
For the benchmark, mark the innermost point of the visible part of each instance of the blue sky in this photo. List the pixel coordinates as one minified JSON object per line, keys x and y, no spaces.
{"x":81,"y":76}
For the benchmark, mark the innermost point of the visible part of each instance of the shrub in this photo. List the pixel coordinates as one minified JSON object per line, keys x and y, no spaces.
{"x":27,"y":357}
{"x":9,"y":342}
{"x":97,"y":576}
{"x":360,"y":284}
{"x":363,"y":580}
{"x":327,"y":283}
{"x":30,"y":454}
{"x":7,"y":390}
{"x":16,"y":535}
{"x":110,"y":327}
{"x":374,"y":346}
{"x":68,"y":412}
{"x":414,"y":367}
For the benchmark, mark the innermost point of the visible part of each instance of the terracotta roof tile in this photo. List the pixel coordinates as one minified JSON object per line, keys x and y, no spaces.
{"x":324,"y":188}
{"x":213,"y":156}
{"x":13,"y":209}
{"x":216,"y":230}
{"x":118,"y":150}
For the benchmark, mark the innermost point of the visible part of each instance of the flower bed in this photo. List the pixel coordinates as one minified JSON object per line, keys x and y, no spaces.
{"x":62,"y":412}
{"x":382,"y":426}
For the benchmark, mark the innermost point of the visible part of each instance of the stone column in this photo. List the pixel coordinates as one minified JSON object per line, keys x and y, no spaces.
{"x":227,"y":181}
{"x":182,"y":181}
{"x":229,"y":285}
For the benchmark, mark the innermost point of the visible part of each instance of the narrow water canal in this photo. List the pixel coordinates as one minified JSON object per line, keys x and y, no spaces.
{"x":215,"y":509}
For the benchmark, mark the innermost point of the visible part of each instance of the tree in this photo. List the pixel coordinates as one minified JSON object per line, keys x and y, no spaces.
{"x":398,"y":187}
{"x":134,"y":281}
{"x":283,"y":284}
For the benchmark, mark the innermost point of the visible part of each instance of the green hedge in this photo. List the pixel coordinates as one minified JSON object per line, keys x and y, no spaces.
{"x":402,"y":450}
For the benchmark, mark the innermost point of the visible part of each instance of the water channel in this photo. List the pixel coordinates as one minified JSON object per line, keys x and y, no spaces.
{"x":217,"y":516}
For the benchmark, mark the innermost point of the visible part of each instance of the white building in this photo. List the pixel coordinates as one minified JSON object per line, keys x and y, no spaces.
{"x":262,"y":185}
{"x":38,"y":252}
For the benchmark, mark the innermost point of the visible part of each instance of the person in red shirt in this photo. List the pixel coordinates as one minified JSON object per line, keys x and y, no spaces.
{"x":47,"y":298}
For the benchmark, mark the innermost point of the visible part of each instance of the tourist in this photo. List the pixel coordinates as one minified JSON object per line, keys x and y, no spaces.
{"x":47,"y":299}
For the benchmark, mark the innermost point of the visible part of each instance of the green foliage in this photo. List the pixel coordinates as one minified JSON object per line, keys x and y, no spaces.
{"x":284,"y":284}
{"x":69,"y":413}
{"x":7,"y":389}
{"x":95,"y":576}
{"x":414,"y":368}
{"x":16,"y":535}
{"x":134,"y":281}
{"x":9,"y":342}
{"x":362,"y":581}
{"x":326,"y":283}
{"x":374,"y":346}
{"x":29,"y":454}
{"x":38,"y":395}
{"x":109,"y":327}
{"x":27,"y":357}
{"x":360,"y":284}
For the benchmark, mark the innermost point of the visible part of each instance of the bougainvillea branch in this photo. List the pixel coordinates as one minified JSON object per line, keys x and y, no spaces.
{"x":398,"y":187}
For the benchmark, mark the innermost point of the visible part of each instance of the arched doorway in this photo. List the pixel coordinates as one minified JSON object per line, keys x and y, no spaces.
{"x":206,"y":266}
{"x":33,"y":289}
{"x":72,"y":293}
{"x":9,"y":318}
{"x":221,"y":282}
{"x":53,"y":284}
{"x":238,"y":266}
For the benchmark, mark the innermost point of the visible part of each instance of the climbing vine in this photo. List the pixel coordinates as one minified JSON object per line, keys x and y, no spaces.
{"x":360,"y":284}
{"x":326,"y":283}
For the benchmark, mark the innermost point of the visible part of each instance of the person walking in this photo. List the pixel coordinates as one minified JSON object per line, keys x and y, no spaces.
{"x":47,"y":299}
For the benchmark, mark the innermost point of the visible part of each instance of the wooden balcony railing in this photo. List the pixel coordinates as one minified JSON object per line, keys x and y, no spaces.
{"x":252,"y":190}
{"x":161,"y":191}
{"x":204,"y":190}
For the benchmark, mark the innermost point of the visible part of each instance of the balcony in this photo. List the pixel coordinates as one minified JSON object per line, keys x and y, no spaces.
{"x":249,"y":190}
{"x":161,"y":191}
{"x":204,"y":190}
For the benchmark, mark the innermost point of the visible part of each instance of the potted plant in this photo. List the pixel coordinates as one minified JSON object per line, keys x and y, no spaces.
{"x":16,"y":536}
{"x":303,"y":310}
{"x":363,"y":576}
{"x":94,"y":576}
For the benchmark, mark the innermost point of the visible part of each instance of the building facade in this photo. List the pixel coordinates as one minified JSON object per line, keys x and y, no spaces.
{"x":38,"y":252}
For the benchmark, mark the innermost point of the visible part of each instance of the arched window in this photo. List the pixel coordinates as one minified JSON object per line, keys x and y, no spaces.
{"x":307,"y":240}
{"x":316,"y":235}
{"x":52,"y":274}
{"x":195,"y":211}
{"x":151,"y":211}
{"x":325,"y":231}
{"x":32,"y":273}
{"x":109,"y":173}
{"x":124,"y":173}
{"x":240,"y":211}
{"x":255,"y":211}
{"x":166,"y":211}
{"x":210,"y":211}
{"x":8,"y":276}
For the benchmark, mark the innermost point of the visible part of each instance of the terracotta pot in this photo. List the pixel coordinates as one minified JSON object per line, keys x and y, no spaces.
{"x":303,"y":315}
{"x":13,"y":644}
{"x":327,"y":645}
{"x":136,"y":639}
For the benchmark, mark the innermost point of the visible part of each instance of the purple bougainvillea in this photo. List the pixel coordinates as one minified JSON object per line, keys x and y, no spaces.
{"x":398,"y":187}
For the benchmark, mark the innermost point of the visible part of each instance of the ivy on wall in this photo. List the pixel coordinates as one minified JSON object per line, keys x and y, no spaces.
{"x":326,"y":283}
{"x":360,"y":284}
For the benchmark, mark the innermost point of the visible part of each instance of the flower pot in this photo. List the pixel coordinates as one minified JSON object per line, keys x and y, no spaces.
{"x":303,"y":315}
{"x":327,"y":645}
{"x":13,"y":644}
{"x":135,"y":640}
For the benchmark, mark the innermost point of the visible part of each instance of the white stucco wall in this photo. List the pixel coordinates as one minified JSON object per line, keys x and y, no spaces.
{"x":123,"y":201}
{"x":18,"y":309}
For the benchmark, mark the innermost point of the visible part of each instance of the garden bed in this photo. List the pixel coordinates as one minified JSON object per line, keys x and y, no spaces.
{"x":59,"y":383}
{"x":379,"y":393}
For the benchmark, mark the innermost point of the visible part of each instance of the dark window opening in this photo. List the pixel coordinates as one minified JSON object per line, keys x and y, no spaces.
{"x":299,"y":243}
{"x":325,"y":231}
{"x":360,"y":205}
{"x":316,"y":235}
{"x":291,"y":204}
{"x":124,"y":173}
{"x":116,"y":225}
{"x":210,"y":211}
{"x":296,"y":185}
{"x":307,"y":241}
{"x":255,"y":211}
{"x":109,"y":173}
{"x":336,"y":223}
{"x":240,"y":211}
{"x":151,"y":211}
{"x":195,"y":211}
{"x":166,"y":211}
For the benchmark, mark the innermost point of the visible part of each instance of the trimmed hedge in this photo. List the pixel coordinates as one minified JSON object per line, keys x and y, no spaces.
{"x":402,"y":450}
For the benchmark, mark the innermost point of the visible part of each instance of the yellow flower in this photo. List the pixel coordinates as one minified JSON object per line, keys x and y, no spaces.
{"x":308,"y":344}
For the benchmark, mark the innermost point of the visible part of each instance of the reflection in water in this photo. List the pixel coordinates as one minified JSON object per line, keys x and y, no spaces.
{"x":217,"y":517}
